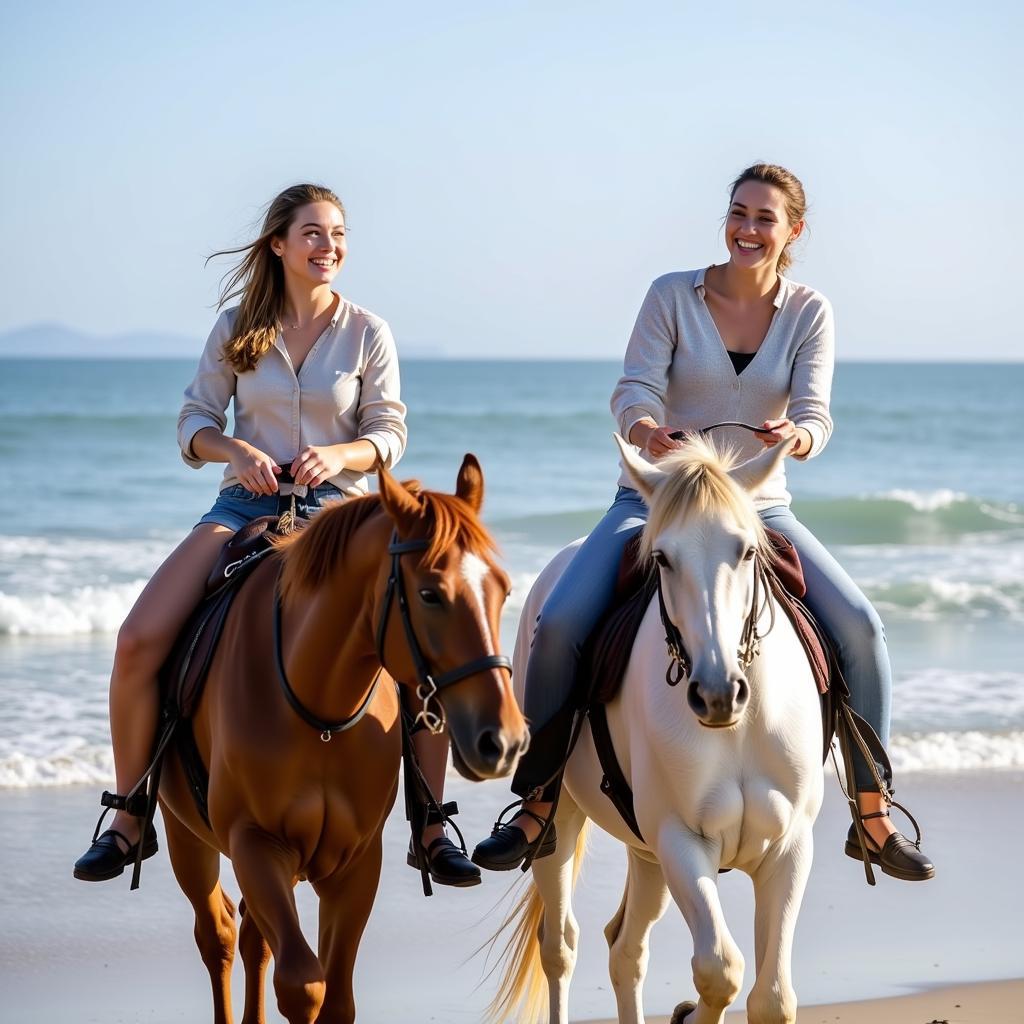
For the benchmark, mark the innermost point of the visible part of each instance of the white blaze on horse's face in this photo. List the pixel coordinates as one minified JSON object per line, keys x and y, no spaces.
{"x":474,"y":571}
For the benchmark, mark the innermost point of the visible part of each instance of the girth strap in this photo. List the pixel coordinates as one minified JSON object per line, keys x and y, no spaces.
{"x":614,"y":784}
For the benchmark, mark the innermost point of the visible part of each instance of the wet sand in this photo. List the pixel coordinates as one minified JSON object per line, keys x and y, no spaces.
{"x":75,"y":952}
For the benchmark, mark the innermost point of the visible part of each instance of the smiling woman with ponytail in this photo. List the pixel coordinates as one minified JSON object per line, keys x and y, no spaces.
{"x":733,"y":341}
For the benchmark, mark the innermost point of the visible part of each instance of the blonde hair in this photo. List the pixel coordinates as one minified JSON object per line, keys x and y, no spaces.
{"x":697,"y":480}
{"x":790,"y":187}
{"x":259,"y":279}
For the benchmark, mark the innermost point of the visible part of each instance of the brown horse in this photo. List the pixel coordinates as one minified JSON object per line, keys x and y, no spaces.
{"x":405,"y":580}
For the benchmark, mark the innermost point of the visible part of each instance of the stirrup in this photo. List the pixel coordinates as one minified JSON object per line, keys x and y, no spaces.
{"x":133,"y":803}
{"x":521,"y":804}
{"x":885,"y":814}
{"x":544,"y":844}
{"x":442,"y":814}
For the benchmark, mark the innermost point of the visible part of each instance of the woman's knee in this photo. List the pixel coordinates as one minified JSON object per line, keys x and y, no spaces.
{"x":139,"y":648}
{"x":559,"y":628}
{"x":860,"y":630}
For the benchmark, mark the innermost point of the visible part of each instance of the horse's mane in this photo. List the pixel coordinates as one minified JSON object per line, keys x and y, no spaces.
{"x":311,"y":555}
{"x":697,"y":480}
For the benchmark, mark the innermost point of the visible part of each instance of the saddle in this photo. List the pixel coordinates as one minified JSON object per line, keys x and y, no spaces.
{"x":183,"y":675}
{"x":607,"y":650}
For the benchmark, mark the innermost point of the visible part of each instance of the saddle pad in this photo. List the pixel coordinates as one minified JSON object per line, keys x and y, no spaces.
{"x":183,"y":674}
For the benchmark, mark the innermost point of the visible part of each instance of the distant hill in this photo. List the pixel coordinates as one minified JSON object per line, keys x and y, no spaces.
{"x":55,"y":341}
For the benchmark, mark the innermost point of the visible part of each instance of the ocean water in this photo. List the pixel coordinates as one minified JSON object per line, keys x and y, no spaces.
{"x":920,"y":495}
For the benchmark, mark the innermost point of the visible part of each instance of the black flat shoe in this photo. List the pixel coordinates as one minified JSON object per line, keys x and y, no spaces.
{"x":446,"y":862}
{"x":507,"y":846}
{"x":898,"y":857}
{"x":107,"y":858}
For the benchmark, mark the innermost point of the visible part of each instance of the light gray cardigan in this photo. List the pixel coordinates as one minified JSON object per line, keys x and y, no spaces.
{"x":346,"y":389}
{"x":678,"y":372}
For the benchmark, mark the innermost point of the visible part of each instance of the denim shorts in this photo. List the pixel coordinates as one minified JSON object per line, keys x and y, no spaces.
{"x":235,"y":505}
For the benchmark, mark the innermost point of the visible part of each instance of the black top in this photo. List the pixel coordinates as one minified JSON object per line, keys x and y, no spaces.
{"x":740,"y":360}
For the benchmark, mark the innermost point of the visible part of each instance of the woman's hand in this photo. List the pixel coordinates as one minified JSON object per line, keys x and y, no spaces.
{"x":775,"y":431}
{"x":317,"y":463}
{"x":255,"y":469}
{"x":660,"y":442}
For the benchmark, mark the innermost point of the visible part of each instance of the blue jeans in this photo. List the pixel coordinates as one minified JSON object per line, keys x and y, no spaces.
{"x":236,"y":506}
{"x":585,"y":591}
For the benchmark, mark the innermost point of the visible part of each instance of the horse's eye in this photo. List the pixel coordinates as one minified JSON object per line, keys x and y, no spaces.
{"x":430,"y":597}
{"x":659,"y":557}
{"x":748,"y":555}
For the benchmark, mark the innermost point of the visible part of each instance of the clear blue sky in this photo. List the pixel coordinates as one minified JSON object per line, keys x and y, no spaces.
{"x":516,"y":174}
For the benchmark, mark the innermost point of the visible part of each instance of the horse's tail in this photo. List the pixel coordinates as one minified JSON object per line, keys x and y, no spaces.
{"x":522,"y":994}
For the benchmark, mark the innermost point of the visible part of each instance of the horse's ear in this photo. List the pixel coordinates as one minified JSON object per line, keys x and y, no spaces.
{"x":404,"y":508}
{"x":470,"y":484}
{"x":645,"y":476}
{"x":752,"y":474}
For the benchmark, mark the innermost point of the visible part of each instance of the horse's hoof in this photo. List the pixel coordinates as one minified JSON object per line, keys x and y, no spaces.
{"x":682,"y":1011}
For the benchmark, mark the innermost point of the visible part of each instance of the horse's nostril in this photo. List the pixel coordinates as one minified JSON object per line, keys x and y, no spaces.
{"x":489,"y":747}
{"x":742,"y":691}
{"x":696,"y":701}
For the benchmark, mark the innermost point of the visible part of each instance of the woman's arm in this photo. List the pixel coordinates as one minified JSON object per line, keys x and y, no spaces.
{"x":810,"y":390}
{"x":207,"y":397}
{"x":203,"y":418}
{"x":638,"y":401}
{"x":381,"y":418}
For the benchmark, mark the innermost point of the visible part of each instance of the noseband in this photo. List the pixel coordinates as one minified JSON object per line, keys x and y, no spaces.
{"x":428,"y":685}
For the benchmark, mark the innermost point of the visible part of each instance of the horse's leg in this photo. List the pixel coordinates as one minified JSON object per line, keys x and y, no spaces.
{"x":559,"y":931}
{"x":691,"y":870}
{"x":346,"y":898}
{"x":197,"y":868}
{"x":778,"y":891}
{"x":643,"y":902}
{"x":255,"y":955}
{"x":266,"y":873}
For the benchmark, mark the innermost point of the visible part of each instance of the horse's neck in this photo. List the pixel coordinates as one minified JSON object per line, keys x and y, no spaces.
{"x":327,"y":636}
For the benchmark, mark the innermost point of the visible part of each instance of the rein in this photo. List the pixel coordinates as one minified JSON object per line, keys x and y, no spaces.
{"x":678,"y":435}
{"x":428,"y":685}
{"x":680,"y":663}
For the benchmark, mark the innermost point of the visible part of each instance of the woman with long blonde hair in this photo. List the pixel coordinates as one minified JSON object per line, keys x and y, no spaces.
{"x":315,"y":385}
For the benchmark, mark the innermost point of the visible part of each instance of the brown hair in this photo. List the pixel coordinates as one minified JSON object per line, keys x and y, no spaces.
{"x":790,"y":187}
{"x":259,"y":279}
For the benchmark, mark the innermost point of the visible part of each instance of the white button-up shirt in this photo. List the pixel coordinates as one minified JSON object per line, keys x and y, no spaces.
{"x":347,"y":389}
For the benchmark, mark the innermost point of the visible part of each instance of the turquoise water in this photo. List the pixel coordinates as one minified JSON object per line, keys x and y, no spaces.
{"x":920,"y":494}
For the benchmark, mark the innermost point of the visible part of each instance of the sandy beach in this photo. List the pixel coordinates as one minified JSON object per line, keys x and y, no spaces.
{"x":78,"y":953}
{"x":994,"y":1002}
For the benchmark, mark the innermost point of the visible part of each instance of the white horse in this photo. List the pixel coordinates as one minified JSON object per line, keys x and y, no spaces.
{"x":725,"y":769}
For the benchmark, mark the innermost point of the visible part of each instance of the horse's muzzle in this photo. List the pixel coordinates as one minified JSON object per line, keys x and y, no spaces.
{"x":484,"y":751}
{"x":718,"y":705}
